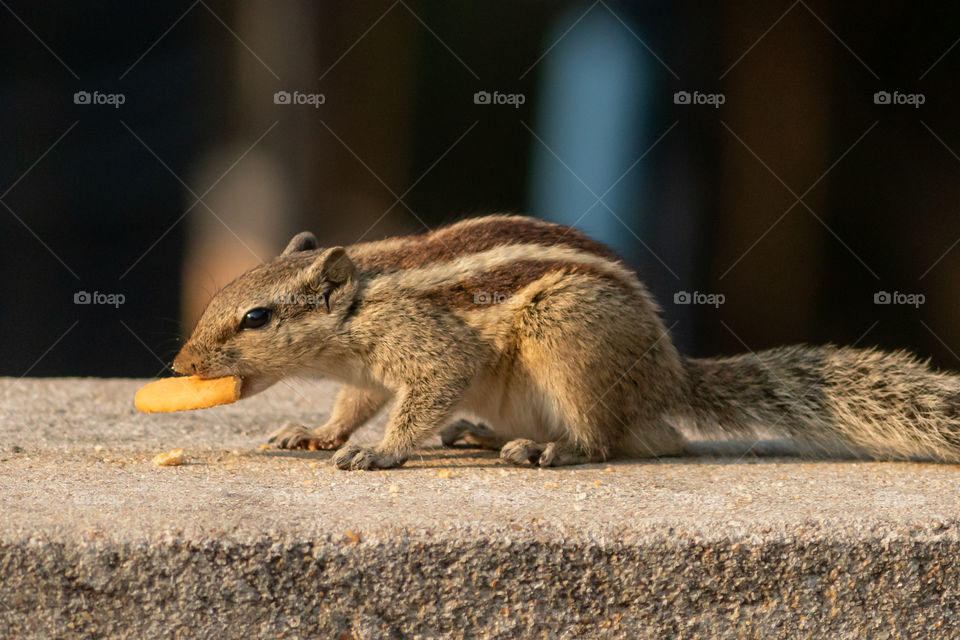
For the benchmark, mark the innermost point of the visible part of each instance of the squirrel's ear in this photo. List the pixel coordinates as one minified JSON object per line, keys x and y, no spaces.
{"x":334,"y":265}
{"x":303,"y":241}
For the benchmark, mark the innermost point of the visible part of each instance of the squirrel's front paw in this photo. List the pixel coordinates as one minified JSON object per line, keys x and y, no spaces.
{"x":365,"y":458}
{"x":295,"y":436}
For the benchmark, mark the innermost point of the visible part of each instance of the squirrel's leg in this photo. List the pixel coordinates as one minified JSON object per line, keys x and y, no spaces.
{"x":419,"y":410}
{"x":351,"y":410}
{"x":602,"y":376}
{"x":472,"y":434}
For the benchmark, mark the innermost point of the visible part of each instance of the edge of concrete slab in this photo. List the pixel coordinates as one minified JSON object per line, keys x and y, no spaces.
{"x":245,"y":542}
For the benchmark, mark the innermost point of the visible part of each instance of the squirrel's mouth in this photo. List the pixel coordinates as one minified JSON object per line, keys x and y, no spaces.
{"x":252,"y":385}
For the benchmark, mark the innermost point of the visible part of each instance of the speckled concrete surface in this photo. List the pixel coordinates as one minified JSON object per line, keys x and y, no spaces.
{"x":95,"y":541}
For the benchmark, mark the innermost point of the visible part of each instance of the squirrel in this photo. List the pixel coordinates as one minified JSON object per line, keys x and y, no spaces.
{"x":548,"y":337}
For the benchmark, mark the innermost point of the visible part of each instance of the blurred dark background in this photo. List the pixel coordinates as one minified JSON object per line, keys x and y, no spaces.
{"x":146,"y":153}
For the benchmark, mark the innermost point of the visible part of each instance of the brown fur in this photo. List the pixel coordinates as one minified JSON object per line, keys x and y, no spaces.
{"x":457,"y":240}
{"x":570,"y":363}
{"x":507,"y":280}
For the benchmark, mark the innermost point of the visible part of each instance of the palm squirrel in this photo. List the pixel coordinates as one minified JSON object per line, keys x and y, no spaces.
{"x":545,"y":335}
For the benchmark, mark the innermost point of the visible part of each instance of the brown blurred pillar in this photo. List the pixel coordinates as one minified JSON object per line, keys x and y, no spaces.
{"x":778,"y":104}
{"x":300,"y":176}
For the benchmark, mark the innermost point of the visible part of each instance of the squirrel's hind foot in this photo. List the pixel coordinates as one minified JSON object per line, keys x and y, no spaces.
{"x":543,"y":454}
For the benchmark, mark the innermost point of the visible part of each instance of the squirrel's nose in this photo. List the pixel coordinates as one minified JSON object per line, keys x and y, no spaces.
{"x":184,"y":363}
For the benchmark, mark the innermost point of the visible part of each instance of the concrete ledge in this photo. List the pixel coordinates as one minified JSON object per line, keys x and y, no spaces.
{"x":241,"y":542}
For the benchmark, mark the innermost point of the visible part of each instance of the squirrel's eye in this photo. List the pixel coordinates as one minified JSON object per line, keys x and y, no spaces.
{"x":255,"y":318}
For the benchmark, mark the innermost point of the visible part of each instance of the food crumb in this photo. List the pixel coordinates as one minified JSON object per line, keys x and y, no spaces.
{"x":264,"y":447}
{"x":169,"y":459}
{"x":608,"y":470}
{"x":394,"y":489}
{"x":352,"y":536}
{"x":445,"y":473}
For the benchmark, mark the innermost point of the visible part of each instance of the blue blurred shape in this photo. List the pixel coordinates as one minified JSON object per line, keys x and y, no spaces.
{"x":592,"y":114}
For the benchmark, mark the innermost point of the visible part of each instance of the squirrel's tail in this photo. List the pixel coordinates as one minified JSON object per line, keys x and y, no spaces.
{"x":831,"y":401}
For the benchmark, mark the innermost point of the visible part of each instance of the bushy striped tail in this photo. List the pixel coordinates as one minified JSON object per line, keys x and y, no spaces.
{"x":832,"y":401}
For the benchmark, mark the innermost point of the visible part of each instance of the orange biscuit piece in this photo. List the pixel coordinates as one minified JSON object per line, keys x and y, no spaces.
{"x":187,"y":392}
{"x":169,"y":459}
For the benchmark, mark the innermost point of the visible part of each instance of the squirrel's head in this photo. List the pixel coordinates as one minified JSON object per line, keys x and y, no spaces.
{"x":273,"y":320}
